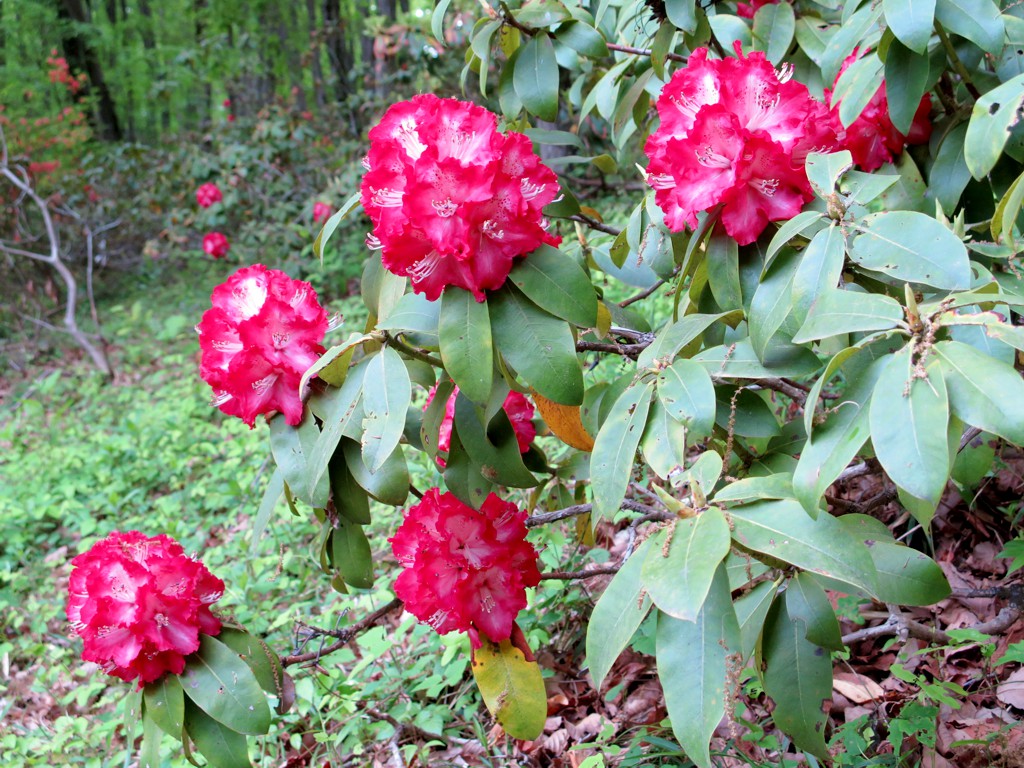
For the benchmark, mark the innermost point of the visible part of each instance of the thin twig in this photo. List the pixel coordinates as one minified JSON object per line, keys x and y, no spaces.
{"x":606,"y":570}
{"x":644,"y":294}
{"x":643,"y":52}
{"x":393,"y":340}
{"x":344,"y":636}
{"x":543,"y":518}
{"x":593,"y":223}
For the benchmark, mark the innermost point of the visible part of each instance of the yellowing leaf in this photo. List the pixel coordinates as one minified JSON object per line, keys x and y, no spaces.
{"x":512,"y":687}
{"x":565,"y":422}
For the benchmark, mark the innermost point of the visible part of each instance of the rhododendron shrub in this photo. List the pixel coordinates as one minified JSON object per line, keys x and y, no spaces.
{"x":453,"y":201}
{"x":216,"y":244}
{"x":208,"y":194}
{"x":465,"y":569}
{"x":517,"y":407}
{"x":139,"y":604}
{"x":733,"y":139}
{"x":261,"y":334}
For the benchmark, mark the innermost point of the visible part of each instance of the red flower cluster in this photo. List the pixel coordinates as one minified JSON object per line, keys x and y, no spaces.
{"x":747,"y":10}
{"x":465,"y":570}
{"x":321,"y":212}
{"x":60,"y":72}
{"x":518,"y":409}
{"x":208,"y":194}
{"x":452,"y":200}
{"x":140,"y":604}
{"x":216,"y":244}
{"x":263,"y":332}
{"x":734,"y":135}
{"x":872,"y":138}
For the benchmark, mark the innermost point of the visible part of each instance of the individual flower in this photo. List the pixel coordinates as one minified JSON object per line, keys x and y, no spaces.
{"x":452,"y":200}
{"x":518,"y":409}
{"x":208,"y":194}
{"x":872,"y":138}
{"x":321,"y":212}
{"x":216,"y":244}
{"x":734,"y":135}
{"x":465,"y":570}
{"x":140,"y":604}
{"x":262,"y":333}
{"x":748,"y":10}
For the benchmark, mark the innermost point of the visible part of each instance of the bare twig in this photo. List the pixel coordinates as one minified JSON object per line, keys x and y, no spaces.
{"x":543,"y":518}
{"x":643,"y":52}
{"x":644,"y":294}
{"x":898,"y":624}
{"x":344,"y":636}
{"x":594,"y":224}
{"x":573,"y":575}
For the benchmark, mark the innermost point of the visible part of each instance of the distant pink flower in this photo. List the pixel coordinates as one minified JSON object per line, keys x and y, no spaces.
{"x":747,"y":10}
{"x":321,"y":212}
{"x":452,"y":200}
{"x":140,"y":604}
{"x":226,"y":103}
{"x":518,"y":409}
{"x":216,"y":244}
{"x":231,"y":118}
{"x":262,"y":333}
{"x":733,"y":137}
{"x":872,"y":138}
{"x":208,"y":194}
{"x":465,"y":570}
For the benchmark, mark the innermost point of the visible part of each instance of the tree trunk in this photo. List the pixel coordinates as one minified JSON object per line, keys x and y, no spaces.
{"x":315,"y":39}
{"x":83,"y":58}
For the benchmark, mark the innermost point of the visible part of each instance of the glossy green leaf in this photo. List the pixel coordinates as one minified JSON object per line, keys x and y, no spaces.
{"x":772,"y":301}
{"x":536,"y":77}
{"x":149,"y":751}
{"x":738,"y":361}
{"x":693,"y":666}
{"x":907,"y":78}
{"x":992,"y":118}
{"x":339,"y":409}
{"x":617,"y":616}
{"x":808,"y":604}
{"x":325,"y":234}
{"x":497,"y":459}
{"x":292,"y":448}
{"x":221,"y":746}
{"x":582,"y":38}
{"x":784,"y":531}
{"x":542,"y":13}
{"x":722,"y":259}
{"x":835,"y":312}
{"x":908,"y":418}
{"x":664,"y":441}
{"x":349,"y":498}
{"x":340,"y":353}
{"x":611,"y":463}
{"x":798,"y":677}
{"x":679,"y":567}
{"x":225,"y":688}
{"x":682,"y":14}
{"x":351,"y":555}
{"x":821,"y":265}
{"x":272,"y":495}
{"x":389,"y":484}
{"x":775,"y":486}
{"x":825,"y":169}
{"x":464,"y":327}
{"x":850,"y":35}
{"x":774,"y":26}
{"x":437,"y":20}
{"x":705,"y":472}
{"x":385,"y":403}
{"x":977,"y":20}
{"x":538,"y":346}
{"x":983,"y":392}
{"x":949,"y":174}
{"x":165,"y":705}
{"x":413,"y":312}
{"x":671,"y":339}
{"x":911,"y":22}
{"x":264,"y":663}
{"x":790,"y":229}
{"x":512,"y":688}
{"x":751,"y":612}
{"x":557,"y":284}
{"x":912,"y":247}
{"x":686,"y":391}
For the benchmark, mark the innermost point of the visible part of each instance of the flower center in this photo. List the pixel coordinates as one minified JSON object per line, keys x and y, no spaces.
{"x":406,"y":135}
{"x":423,"y":268}
{"x":262,"y":385}
{"x":445,"y":208}
{"x":490,"y":229}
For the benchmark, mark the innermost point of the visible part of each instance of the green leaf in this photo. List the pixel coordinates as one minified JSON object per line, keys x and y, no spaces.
{"x":512,"y":688}
{"x":413,"y":312}
{"x":538,"y":346}
{"x":671,"y":339}
{"x":663,"y":442}
{"x":907,"y":77}
{"x":617,"y":616}
{"x":389,"y":484}
{"x":722,"y":259}
{"x":498,"y":462}
{"x":775,"y":486}
{"x":908,"y":418}
{"x":1007,"y":211}
{"x":837,"y":312}
{"x":977,"y":20}
{"x":149,"y":752}
{"x":912,"y":247}
{"x":557,"y":284}
{"x":165,"y":705}
{"x":324,"y":236}
{"x":292,"y":448}
{"x":783,"y":530}
{"x":790,"y":229}
{"x":221,"y":746}
{"x":798,"y":677}
{"x":751,"y":611}
{"x":738,"y":361}
{"x":808,"y":604}
{"x":337,"y":409}
{"x":949,"y":174}
{"x":772,"y":301}
{"x":774,"y":26}
{"x":225,"y":688}
{"x":992,"y":118}
{"x":464,"y":327}
{"x":350,"y":552}
{"x":437,"y":20}
{"x":272,"y":495}
{"x":686,"y":391}
{"x":536,"y":77}
{"x":704,"y":472}
{"x":385,"y":403}
{"x":911,"y":22}
{"x":850,"y":35}
{"x":611,"y":463}
{"x":905,"y":576}
{"x":540,"y":14}
{"x":693,"y":666}
{"x":821,"y":265}
{"x":857,"y":86}
{"x":677,"y":571}
{"x":983,"y":392}
{"x":682,"y":14}
{"x":582,"y":38}
{"x":263,"y":662}
{"x":339,"y":354}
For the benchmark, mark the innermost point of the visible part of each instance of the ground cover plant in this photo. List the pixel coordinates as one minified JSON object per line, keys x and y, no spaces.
{"x":717,"y":466}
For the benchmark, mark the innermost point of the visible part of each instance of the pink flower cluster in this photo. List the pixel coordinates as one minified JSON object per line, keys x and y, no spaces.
{"x":140,"y":604}
{"x":216,"y":244}
{"x":518,"y":409}
{"x":321,"y":212}
{"x":733,"y":138}
{"x":262,"y":333}
{"x":872,"y":138}
{"x":208,"y":194}
{"x":748,"y":10}
{"x":465,"y":570}
{"x":452,"y":200}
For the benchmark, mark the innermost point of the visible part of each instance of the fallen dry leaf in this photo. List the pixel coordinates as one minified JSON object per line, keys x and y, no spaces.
{"x":857,"y":688}
{"x":1011,"y":690}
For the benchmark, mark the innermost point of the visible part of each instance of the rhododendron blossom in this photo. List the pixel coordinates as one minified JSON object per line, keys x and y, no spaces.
{"x":518,"y":409}
{"x":321,"y":212}
{"x":872,"y":138}
{"x":734,"y":135}
{"x":465,"y":570}
{"x":208,"y":194}
{"x":748,"y":10}
{"x":140,"y":604}
{"x":452,"y":200}
{"x":262,"y":333}
{"x":216,"y":244}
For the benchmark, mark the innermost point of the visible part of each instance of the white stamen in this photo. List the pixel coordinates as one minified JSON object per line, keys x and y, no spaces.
{"x":445,"y":208}
{"x":711,"y":159}
{"x":423,"y":268}
{"x":335,"y":321}
{"x":530,"y":190}
{"x":406,"y":135}
{"x":437,"y":618}
{"x":280,"y":339}
{"x":262,"y":385}
{"x":299,"y":297}
{"x":490,"y":229}
{"x":365,"y":162}
{"x":373,"y":242}
{"x":219,"y":398}
{"x":785,"y":72}
{"x":386,"y":198}
{"x":661,"y":181}
{"x":768,"y":187}
{"x":249,"y":296}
